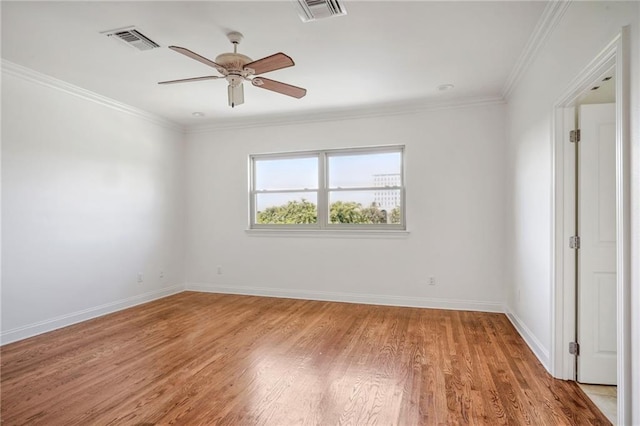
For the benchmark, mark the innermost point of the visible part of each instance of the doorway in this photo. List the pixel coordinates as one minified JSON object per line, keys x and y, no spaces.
{"x":595,"y":247}
{"x":605,"y":289}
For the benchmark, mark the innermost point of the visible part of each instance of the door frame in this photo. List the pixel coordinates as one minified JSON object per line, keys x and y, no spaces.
{"x":563,"y":296}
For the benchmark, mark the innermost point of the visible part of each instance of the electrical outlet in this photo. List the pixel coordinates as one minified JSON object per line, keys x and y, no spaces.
{"x":432,"y":280}
{"x":140,"y":277}
{"x":161,"y":274}
{"x":219,"y":269}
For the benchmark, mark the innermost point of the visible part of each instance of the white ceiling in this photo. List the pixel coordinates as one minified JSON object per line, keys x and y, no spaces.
{"x":382,"y":52}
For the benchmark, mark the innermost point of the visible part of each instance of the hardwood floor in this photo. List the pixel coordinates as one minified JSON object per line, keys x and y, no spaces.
{"x":197,"y":358}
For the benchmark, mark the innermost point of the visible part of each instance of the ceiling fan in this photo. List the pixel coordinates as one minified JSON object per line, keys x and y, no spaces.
{"x":237,"y":68}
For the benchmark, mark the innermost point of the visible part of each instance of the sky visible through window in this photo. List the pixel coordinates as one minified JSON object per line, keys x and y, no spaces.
{"x":344,"y":171}
{"x":289,"y":173}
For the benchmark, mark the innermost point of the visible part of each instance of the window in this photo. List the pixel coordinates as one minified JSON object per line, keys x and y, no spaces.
{"x":332,"y":189}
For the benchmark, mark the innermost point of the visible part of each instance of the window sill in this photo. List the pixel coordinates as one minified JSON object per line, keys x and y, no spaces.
{"x":328,"y":233}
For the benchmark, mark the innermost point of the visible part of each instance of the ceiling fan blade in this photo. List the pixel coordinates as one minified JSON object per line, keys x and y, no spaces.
{"x":186,"y":80}
{"x":276,"y":86}
{"x":270,"y":63}
{"x":197,"y":57}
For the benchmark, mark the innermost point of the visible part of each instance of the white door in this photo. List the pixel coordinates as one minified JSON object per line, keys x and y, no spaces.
{"x":597,"y":329}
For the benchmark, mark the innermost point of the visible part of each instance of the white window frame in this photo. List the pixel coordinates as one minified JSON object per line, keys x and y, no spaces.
{"x":323,"y":190}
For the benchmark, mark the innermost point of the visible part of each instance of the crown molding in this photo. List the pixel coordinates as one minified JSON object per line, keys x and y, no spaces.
{"x":390,"y":109}
{"x":33,"y":76}
{"x":372,"y":111}
{"x":546,"y":24}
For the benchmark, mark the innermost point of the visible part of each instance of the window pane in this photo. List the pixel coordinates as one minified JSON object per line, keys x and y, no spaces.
{"x":365,"y":170}
{"x":293,"y":208}
{"x":365,"y":207}
{"x":288,"y":173}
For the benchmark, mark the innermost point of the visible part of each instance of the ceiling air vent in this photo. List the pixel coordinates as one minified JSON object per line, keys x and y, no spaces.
{"x":133,"y":38}
{"x":312,"y":10}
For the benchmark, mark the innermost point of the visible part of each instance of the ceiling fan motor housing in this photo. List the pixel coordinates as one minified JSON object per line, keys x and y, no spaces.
{"x":233,"y":61}
{"x":233,"y":64}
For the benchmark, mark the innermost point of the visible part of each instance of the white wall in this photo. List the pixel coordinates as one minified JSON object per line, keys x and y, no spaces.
{"x":584,"y":30}
{"x":90,"y":197}
{"x":455,"y":188}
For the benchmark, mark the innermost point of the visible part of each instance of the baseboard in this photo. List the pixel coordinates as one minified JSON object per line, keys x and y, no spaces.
{"x":40,"y":327}
{"x":369,"y":299}
{"x":530,"y":339}
{"x":34,"y":329}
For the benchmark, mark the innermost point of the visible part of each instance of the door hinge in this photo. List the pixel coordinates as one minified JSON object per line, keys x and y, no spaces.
{"x":574,"y":242}
{"x":574,"y":135}
{"x":574,"y":348}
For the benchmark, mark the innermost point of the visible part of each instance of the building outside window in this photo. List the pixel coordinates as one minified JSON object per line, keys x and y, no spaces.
{"x":387,"y":199}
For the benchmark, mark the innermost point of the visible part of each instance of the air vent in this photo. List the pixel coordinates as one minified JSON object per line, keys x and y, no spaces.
{"x":312,"y":10}
{"x":132,"y":37}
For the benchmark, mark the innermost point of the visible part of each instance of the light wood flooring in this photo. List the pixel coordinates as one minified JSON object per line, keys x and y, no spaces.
{"x":605,"y":398}
{"x":198,"y":358}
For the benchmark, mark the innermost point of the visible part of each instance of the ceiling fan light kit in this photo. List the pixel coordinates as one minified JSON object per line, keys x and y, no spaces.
{"x":237,"y":68}
{"x":236,"y":95}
